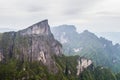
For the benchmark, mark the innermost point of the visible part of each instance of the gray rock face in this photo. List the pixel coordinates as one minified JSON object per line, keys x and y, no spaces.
{"x":36,"y":43}
{"x":1,"y":56}
{"x":83,"y":63}
{"x":40,"y":28}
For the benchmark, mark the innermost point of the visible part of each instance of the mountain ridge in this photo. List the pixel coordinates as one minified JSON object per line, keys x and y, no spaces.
{"x":34,"y":54}
{"x":100,"y":50}
{"x":35,"y":43}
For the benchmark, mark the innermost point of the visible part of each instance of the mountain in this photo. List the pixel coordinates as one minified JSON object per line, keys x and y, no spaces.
{"x":86,"y":44}
{"x":114,"y":36}
{"x":34,"y":54}
{"x":35,"y":43}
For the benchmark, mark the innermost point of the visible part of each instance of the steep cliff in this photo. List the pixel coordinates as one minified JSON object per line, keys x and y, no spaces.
{"x":83,"y":63}
{"x":35,"y":43}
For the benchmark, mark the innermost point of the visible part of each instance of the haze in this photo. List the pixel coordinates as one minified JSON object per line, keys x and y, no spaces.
{"x":94,"y":15}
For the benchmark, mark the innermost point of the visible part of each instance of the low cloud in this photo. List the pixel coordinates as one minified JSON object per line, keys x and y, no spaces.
{"x":87,"y":14}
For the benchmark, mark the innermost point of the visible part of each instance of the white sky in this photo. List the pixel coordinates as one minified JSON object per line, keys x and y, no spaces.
{"x":94,"y":15}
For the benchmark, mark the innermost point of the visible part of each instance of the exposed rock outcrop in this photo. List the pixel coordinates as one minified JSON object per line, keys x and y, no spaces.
{"x":83,"y":63}
{"x":1,"y":56}
{"x":40,"y":28}
{"x":35,"y":43}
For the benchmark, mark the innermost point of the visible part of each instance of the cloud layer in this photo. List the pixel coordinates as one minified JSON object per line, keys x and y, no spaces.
{"x":94,"y":15}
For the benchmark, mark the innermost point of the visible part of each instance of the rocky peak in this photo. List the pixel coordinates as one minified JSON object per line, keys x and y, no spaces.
{"x":35,"y":43}
{"x":40,"y":28}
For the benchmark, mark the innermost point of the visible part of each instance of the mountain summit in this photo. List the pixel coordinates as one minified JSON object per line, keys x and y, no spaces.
{"x":40,"y":28}
{"x":35,"y":43}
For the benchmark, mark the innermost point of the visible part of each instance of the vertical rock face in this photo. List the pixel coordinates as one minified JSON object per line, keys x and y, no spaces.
{"x":1,"y":56}
{"x":83,"y":64}
{"x":35,"y":43}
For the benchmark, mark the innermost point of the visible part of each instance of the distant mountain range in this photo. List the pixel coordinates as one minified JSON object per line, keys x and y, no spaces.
{"x":86,"y":44}
{"x":113,"y":36}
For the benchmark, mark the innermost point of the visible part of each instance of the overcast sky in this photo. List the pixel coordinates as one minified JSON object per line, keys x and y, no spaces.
{"x":94,"y":15}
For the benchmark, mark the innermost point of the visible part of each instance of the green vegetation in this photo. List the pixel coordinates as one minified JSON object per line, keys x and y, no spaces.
{"x":100,"y":50}
{"x":17,"y":70}
{"x":98,"y":73}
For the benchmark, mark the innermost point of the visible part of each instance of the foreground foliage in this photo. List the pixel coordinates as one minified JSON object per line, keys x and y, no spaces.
{"x":17,"y":70}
